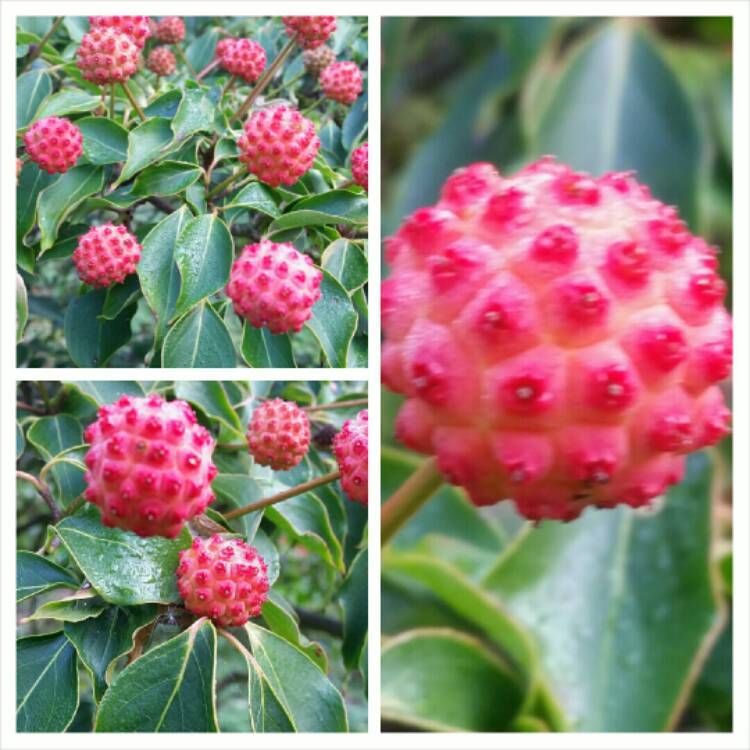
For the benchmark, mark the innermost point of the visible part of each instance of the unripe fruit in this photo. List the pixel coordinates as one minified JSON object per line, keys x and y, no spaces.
{"x":274,"y":285}
{"x":318,"y":59}
{"x":161,"y":60}
{"x":223,"y":579}
{"x":311,"y":31}
{"x":149,"y":465}
{"x":54,"y":143}
{"x":558,"y":338}
{"x":279,"y":434}
{"x":106,"y":255}
{"x":342,"y":82}
{"x":170,"y":30}
{"x":359,"y":165}
{"x":350,"y":448}
{"x":138,"y":28}
{"x":279,"y":145}
{"x":106,"y":55}
{"x":244,"y":58}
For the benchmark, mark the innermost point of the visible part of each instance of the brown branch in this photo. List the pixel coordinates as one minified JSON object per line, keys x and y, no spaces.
{"x":29,"y":407}
{"x":336,"y":405}
{"x":44,"y":492}
{"x":317,"y":621}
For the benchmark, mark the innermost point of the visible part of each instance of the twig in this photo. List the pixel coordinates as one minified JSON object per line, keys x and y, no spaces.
{"x":337,"y":405}
{"x":160,"y":203}
{"x":136,"y":106}
{"x":211,"y":66}
{"x":313,"y":105}
{"x":224,"y":184}
{"x":273,"y":94}
{"x":29,"y":407}
{"x":316,"y":621}
{"x":38,"y":51}
{"x":227,"y":87}
{"x":44,"y":492}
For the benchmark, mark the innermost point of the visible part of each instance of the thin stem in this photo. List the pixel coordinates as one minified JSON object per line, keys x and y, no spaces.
{"x":264,"y":80}
{"x":313,"y":105}
{"x":38,"y":51}
{"x":44,"y":492}
{"x":184,"y":59}
{"x":337,"y":405}
{"x":275,"y":92}
{"x":112,"y":102}
{"x":409,"y":498}
{"x":224,"y":184}
{"x":29,"y":407}
{"x":227,"y":87}
{"x":211,"y":66}
{"x":136,"y":106}
{"x":346,"y":184}
{"x":300,"y":489}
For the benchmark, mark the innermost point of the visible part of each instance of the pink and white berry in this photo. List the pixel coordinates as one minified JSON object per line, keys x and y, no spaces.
{"x":279,"y":145}
{"x":138,"y":28}
{"x":311,"y":31}
{"x":149,"y":465}
{"x":350,"y":448}
{"x":279,"y":434}
{"x":107,"y":55}
{"x":106,"y":255}
{"x":558,"y":338}
{"x":359,"y":165}
{"x":223,"y":579}
{"x":244,"y":58}
{"x":170,"y":30}
{"x":161,"y":60}
{"x":342,"y":82}
{"x":275,"y":286}
{"x":54,"y":144}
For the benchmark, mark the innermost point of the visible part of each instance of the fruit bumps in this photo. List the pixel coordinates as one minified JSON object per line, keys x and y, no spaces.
{"x":149,"y":465}
{"x":342,"y":82}
{"x":54,"y":144}
{"x":350,"y":448}
{"x":107,"y":55}
{"x":318,"y":59}
{"x":274,"y":285}
{"x":279,"y":434}
{"x":558,"y":338}
{"x":359,"y":165}
{"x":170,"y":30}
{"x":244,"y":58}
{"x":138,"y":28}
{"x":106,"y":255}
{"x":279,"y":145}
{"x":223,"y":579}
{"x":310,"y":31}
{"x":161,"y":60}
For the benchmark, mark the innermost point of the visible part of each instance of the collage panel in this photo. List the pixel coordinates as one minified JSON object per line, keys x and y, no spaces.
{"x":556,"y":466}
{"x":191,"y":556}
{"x":192,"y":191}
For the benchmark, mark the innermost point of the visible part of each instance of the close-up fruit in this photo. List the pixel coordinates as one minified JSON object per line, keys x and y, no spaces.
{"x":341,"y":82}
{"x":244,"y":58}
{"x":106,"y":255}
{"x":107,"y":55}
{"x":310,"y":31}
{"x":318,"y":59}
{"x":278,"y":434}
{"x":54,"y":143}
{"x":138,"y":28}
{"x":350,"y":447}
{"x":161,"y":60}
{"x":170,"y":30}
{"x":360,"y":165}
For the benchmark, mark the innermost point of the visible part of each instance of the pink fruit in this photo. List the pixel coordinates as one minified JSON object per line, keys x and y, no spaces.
{"x":244,"y":58}
{"x":54,"y":143}
{"x":106,"y":255}
{"x":161,"y":60}
{"x":279,"y":145}
{"x":350,"y":447}
{"x":359,"y":165}
{"x":170,"y":30}
{"x":311,"y":31}
{"x":558,"y":338}
{"x":138,"y":28}
{"x":223,"y":579}
{"x":342,"y":82}
{"x":222,"y":46}
{"x":149,"y":465}
{"x":106,"y":55}
{"x":279,"y":434}
{"x":316,"y":60}
{"x":274,"y":285}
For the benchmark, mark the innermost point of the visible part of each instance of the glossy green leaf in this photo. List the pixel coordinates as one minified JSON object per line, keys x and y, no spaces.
{"x":104,"y":140}
{"x":168,"y":689}
{"x":146,"y":144}
{"x":211,"y":398}
{"x":36,"y":574}
{"x":121,"y":296}
{"x":261,"y":348}
{"x":241,"y":490}
{"x":254,"y":197}
{"x":102,"y":392}
{"x":22,"y":307}
{"x":200,"y":51}
{"x":46,"y":683}
{"x":166,"y":178}
{"x":333,"y":207}
{"x":32,"y":181}
{"x":123,"y":568}
{"x":165,"y":105}
{"x":196,"y":112}
{"x":346,"y":262}
{"x":353,"y":597}
{"x":75,"y":608}
{"x":31,"y":88}
{"x":281,"y":620}
{"x":199,"y":339}
{"x":67,"y":101}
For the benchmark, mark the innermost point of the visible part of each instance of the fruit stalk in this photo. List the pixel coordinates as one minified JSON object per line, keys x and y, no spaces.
{"x":222,"y":186}
{"x":135,"y":104}
{"x":44,"y":493}
{"x":337,"y":405}
{"x":38,"y":51}
{"x":211,"y":66}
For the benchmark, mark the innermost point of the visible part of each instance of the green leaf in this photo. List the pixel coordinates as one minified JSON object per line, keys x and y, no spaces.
{"x":121,"y":296}
{"x":283,"y":622}
{"x":254,"y":197}
{"x":261,"y":348}
{"x":36,"y":574}
{"x":355,"y":123}
{"x":123,"y":568}
{"x":346,"y":262}
{"x":200,"y":52}
{"x":166,"y":178}
{"x":104,"y":140}
{"x":101,"y":392}
{"x":353,"y":597}
{"x":333,"y":321}
{"x":22,"y":307}
{"x":146,"y":144}
{"x":211,"y":398}
{"x":168,"y":689}
{"x":165,"y":105}
{"x":80,"y":606}
{"x":46,"y":683}
{"x":57,"y":200}
{"x":101,"y":640}
{"x":31,"y":88}
{"x":241,"y":490}
{"x":199,"y":339}
{"x":204,"y":257}
{"x":31,"y":182}
{"x":621,"y":604}
{"x":333,"y":207}
{"x":196,"y":112}
{"x":67,"y":101}
{"x":444,"y":680}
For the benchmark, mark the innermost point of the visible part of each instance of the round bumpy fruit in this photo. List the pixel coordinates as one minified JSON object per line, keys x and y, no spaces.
{"x":558,"y":338}
{"x":350,"y":447}
{"x":359,"y":165}
{"x":223,"y":579}
{"x":138,"y":28}
{"x":106,"y":55}
{"x":149,"y":465}
{"x":170,"y":30}
{"x":106,"y":255}
{"x":318,"y":59}
{"x":274,"y":285}
{"x":54,"y":144}
{"x":279,"y":434}
{"x":342,"y":82}
{"x":311,"y":31}
{"x":161,"y":60}
{"x":279,"y":145}
{"x":244,"y":58}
